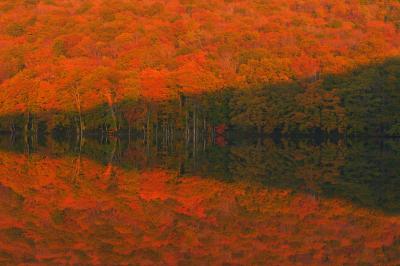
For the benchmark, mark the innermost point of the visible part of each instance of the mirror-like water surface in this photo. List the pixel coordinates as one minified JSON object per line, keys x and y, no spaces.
{"x":120,"y":202}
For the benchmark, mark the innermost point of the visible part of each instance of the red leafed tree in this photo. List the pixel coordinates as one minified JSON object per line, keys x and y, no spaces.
{"x":153,"y":84}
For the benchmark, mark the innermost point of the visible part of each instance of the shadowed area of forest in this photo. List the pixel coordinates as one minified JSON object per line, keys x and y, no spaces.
{"x":363,"y":102}
{"x":363,"y":171}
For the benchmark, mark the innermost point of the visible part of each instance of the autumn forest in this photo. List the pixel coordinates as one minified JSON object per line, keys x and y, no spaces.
{"x":200,"y":132}
{"x":190,"y":68}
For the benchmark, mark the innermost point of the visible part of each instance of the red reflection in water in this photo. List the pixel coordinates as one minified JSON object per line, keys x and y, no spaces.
{"x":76,"y":211}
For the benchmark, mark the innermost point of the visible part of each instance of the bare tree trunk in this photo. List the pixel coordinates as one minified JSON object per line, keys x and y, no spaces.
{"x":204,"y":133}
{"x":34,"y":130}
{"x":212,"y":134}
{"x":114,"y":118}
{"x":194,"y":124}
{"x":27,"y":121}
{"x":110,"y":101}
{"x":12,"y":129}
{"x":26,"y":130}
{"x":81,"y":125}
{"x":129,"y":133}
{"x":144,"y":134}
{"x":194,"y":131}
{"x":187,"y":132}
{"x":148,"y":122}
{"x":156,"y":135}
{"x":32,"y":124}
{"x":102,"y":134}
{"x":79,"y":107}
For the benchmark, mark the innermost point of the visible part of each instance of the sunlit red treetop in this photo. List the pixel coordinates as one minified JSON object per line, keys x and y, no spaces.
{"x":158,"y":49}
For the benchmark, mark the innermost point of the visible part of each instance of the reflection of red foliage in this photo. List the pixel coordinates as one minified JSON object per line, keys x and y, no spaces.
{"x":220,"y":139}
{"x":69,"y":211}
{"x":220,"y":129}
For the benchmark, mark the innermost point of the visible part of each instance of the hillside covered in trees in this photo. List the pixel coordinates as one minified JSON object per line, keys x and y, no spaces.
{"x":190,"y":67}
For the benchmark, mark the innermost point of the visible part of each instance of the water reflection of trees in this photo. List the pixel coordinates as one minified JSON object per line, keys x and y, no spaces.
{"x":244,"y":204}
{"x":363,"y":171}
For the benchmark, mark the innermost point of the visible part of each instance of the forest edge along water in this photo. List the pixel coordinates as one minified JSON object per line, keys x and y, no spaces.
{"x":188,"y":132}
{"x":363,"y":171}
{"x":115,"y":201}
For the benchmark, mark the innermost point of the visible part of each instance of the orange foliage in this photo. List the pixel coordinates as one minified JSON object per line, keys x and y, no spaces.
{"x":154,"y":84}
{"x":185,"y":46}
{"x":73,"y":210}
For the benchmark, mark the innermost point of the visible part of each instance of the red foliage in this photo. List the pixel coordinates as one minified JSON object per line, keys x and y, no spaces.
{"x":185,"y":46}
{"x":73,"y":210}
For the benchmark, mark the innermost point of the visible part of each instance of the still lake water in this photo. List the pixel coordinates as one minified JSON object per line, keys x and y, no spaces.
{"x":287,"y":202}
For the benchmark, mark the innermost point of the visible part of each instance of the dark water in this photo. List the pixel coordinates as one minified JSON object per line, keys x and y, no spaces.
{"x":271,"y":202}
